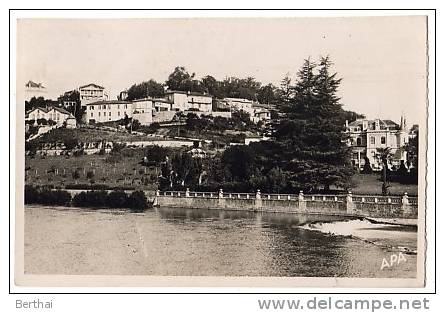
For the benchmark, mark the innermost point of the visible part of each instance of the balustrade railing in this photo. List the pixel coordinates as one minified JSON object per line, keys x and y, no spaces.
{"x":294,"y":197}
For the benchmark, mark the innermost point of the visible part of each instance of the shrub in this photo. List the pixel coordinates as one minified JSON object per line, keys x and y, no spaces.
{"x":46,"y":196}
{"x":87,"y":186}
{"x":95,"y":199}
{"x":137,"y":201}
{"x":32,"y":195}
{"x":117,"y":199}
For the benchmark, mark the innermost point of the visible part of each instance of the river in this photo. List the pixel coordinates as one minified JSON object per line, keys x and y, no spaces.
{"x":163,"y":241}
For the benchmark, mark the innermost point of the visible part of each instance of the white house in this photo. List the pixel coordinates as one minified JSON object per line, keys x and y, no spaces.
{"x":240,"y":104}
{"x":257,"y":111}
{"x":142,"y":110}
{"x":367,"y":137}
{"x":92,"y":93}
{"x":56,"y":114}
{"x":114,"y":110}
{"x":105,"y":111}
{"x":184,"y":101}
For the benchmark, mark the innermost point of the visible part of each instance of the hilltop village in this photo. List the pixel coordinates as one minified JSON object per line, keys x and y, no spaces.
{"x":205,"y":134}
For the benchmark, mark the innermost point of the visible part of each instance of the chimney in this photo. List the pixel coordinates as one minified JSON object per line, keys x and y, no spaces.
{"x":364,"y":125}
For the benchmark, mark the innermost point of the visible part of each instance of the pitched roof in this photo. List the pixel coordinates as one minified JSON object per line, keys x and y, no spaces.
{"x":189,"y":93}
{"x":47,"y":109}
{"x":384,"y":123}
{"x":260,"y":105}
{"x":92,"y":84}
{"x":109,"y":102}
{"x":61,"y":110}
{"x":31,"y":84}
{"x":151,"y":99}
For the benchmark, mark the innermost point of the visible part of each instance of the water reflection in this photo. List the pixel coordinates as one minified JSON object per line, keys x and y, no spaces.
{"x":193,"y":242}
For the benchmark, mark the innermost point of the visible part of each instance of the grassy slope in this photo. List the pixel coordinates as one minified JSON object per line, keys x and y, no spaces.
{"x":370,"y":184}
{"x":88,"y":135}
{"x":126,"y":173}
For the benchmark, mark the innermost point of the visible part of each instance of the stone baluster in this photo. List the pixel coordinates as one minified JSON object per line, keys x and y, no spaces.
{"x":258,"y":200}
{"x":301,"y":201}
{"x":350,"y":205}
{"x":258,"y":194}
{"x":406,"y":206}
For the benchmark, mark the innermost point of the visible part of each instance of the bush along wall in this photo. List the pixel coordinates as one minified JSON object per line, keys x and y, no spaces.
{"x":136,"y":201}
{"x":47,"y":196}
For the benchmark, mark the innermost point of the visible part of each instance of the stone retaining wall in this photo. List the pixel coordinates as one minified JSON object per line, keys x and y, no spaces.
{"x":344,"y":205}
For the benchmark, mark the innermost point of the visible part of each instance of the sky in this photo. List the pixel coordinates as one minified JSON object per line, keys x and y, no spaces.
{"x":382,"y":60}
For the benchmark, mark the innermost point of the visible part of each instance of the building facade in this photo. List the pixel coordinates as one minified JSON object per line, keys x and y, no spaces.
{"x":369,"y":137}
{"x":114,"y":110}
{"x":184,"y":101}
{"x":257,"y":111}
{"x":240,"y":104}
{"x":92,"y":93}
{"x":123,"y":95}
{"x":56,"y":114}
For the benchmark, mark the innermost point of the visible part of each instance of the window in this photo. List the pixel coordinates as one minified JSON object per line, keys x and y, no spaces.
{"x":118,"y":106}
{"x":104,"y":107}
{"x":98,"y":114}
{"x":118,"y":113}
{"x":109,"y":114}
{"x":383,"y":140}
{"x":92,"y":114}
{"x":359,"y":141}
{"x":372,"y":140}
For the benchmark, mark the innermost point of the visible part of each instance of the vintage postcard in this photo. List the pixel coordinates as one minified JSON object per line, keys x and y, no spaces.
{"x":249,"y":151}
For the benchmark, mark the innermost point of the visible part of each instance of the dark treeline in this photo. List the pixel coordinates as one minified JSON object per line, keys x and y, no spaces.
{"x":232,"y":87}
{"x":136,"y":201}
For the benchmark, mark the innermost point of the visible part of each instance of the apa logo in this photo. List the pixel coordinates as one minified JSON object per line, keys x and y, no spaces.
{"x":395,"y":259}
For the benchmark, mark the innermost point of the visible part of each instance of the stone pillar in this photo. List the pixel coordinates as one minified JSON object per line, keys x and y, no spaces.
{"x":155,"y":200}
{"x":301,"y":201}
{"x":187,"y":193}
{"x":221,"y":200}
{"x":258,"y":194}
{"x":258,"y":200}
{"x":406,"y":206}
{"x":350,"y":205}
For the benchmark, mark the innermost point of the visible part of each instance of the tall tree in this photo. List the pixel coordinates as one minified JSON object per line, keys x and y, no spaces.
{"x":146,"y":89}
{"x":311,"y":132}
{"x":286,"y":90}
{"x":267,"y":94}
{"x":212,"y":86}
{"x":180,"y":79}
{"x":412,"y":148}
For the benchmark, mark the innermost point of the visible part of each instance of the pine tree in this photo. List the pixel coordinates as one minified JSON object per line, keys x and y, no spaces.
{"x":311,"y":132}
